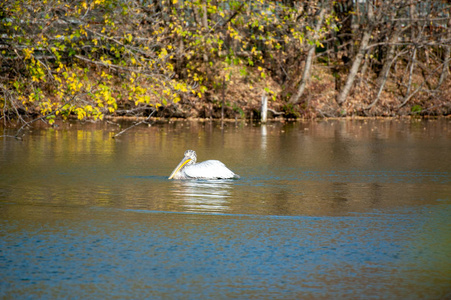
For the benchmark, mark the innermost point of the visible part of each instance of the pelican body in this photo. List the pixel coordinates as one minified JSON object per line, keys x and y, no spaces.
{"x":209,"y":169}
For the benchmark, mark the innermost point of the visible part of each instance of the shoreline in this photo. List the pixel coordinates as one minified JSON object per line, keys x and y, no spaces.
{"x":161,"y":120}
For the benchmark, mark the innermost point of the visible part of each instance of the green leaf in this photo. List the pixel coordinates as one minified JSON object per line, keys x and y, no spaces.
{"x":417,"y":109}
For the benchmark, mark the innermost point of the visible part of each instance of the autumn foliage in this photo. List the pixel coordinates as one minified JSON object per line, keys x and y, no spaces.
{"x":193,"y":58}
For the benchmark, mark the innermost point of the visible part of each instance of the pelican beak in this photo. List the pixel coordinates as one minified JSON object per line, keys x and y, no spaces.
{"x":184,"y":161}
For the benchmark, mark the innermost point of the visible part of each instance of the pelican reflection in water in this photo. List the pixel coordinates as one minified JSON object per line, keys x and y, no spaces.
{"x":210,"y":169}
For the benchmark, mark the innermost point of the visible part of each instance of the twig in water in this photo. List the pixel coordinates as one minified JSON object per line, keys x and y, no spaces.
{"x":26,"y":124}
{"x":134,"y":125}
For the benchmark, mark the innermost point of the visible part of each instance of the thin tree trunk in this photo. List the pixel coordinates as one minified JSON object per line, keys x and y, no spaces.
{"x":360,"y":55}
{"x":365,"y":66}
{"x":264,"y":108}
{"x":308,"y":63}
{"x":387,"y":66}
{"x":419,"y":88}
{"x":445,"y":69}
{"x":205,"y":26}
{"x":414,"y":54}
{"x":355,"y":67}
{"x":409,"y":84}
{"x":447,"y":56}
{"x":181,"y":47}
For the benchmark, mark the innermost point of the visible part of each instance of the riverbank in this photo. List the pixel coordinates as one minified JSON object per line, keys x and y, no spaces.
{"x":125,"y":121}
{"x":215,"y":60}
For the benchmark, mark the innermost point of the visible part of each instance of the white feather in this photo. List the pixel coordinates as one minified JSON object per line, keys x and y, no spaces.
{"x":209,"y":169}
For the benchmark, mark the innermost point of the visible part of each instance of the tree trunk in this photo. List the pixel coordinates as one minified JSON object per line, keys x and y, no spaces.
{"x":355,"y":66}
{"x":382,"y":79}
{"x":409,"y":84}
{"x":205,"y":26}
{"x":364,"y":69}
{"x":445,"y":69}
{"x":413,"y":16}
{"x":308,"y":63}
{"x":264,"y":108}
{"x":447,"y":56}
{"x":370,"y":23}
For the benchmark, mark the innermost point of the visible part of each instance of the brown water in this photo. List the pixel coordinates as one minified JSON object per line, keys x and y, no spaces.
{"x":329,"y":209}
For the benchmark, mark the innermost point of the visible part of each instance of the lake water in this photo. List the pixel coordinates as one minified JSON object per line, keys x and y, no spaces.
{"x":341,"y":209}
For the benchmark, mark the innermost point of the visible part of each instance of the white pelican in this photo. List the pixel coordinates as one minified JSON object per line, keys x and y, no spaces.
{"x":209,"y":169}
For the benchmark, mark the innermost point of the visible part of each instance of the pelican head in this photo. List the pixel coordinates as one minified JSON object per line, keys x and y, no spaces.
{"x":189,"y":158}
{"x":210,"y":169}
{"x":191,"y":155}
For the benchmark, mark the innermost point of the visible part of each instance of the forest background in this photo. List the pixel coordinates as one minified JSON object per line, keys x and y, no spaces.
{"x":218,"y":58}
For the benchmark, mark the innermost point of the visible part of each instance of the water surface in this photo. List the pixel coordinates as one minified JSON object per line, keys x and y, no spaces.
{"x":329,"y":209}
